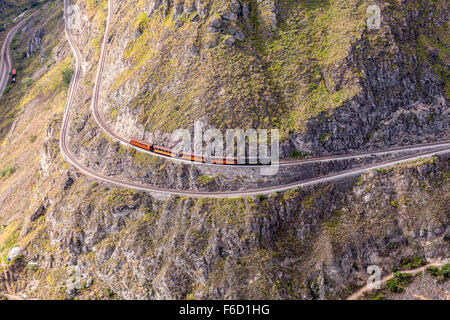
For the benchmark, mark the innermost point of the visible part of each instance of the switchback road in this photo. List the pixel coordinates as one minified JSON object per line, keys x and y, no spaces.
{"x":424,"y":151}
{"x":6,"y":60}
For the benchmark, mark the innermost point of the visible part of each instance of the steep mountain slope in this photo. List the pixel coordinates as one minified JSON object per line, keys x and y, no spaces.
{"x":308,"y":67}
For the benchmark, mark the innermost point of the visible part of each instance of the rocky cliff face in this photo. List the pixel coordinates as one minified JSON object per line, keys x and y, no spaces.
{"x":405,"y":90}
{"x":35,"y":42}
{"x":311,"y":244}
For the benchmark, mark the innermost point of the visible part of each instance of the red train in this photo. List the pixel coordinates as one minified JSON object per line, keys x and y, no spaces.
{"x":13,"y":76}
{"x":185,"y":155}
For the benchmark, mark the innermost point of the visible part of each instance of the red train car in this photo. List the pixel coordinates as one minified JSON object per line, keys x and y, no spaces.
{"x":13,"y":76}
{"x":141,"y":144}
{"x":163,"y":150}
{"x":193,"y":157}
{"x":222,"y":160}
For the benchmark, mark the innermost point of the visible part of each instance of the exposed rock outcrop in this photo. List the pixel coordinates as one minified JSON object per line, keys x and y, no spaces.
{"x":35,"y":42}
{"x":4,"y":5}
{"x":312,"y":244}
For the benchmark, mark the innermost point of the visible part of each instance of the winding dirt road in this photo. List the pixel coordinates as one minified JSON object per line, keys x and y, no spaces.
{"x":126,"y":141}
{"x":438,"y":148}
{"x":426,"y":150}
{"x":6,"y":60}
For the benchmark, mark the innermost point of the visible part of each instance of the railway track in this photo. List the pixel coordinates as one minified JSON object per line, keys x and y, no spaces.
{"x":125,"y":141}
{"x":423,"y":150}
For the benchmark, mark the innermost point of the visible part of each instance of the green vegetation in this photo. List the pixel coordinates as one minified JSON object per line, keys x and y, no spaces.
{"x":436,"y":41}
{"x":47,"y":84}
{"x":379,"y":297}
{"x":142,"y":22}
{"x":27,"y":82}
{"x":298,"y":155}
{"x":277,"y":80}
{"x":7,"y":171}
{"x":447,"y":238}
{"x":445,"y":270}
{"x":34,"y":3}
{"x":315,"y":36}
{"x":33,"y":138}
{"x":409,"y":263}
{"x":324,"y":137}
{"x":121,"y":197}
{"x":8,"y":88}
{"x":442,"y":274}
{"x":205,"y":179}
{"x":8,"y":238}
{"x":359,"y":182}
{"x":262,"y":197}
{"x":375,"y":295}
{"x":67,"y":75}
{"x":110,"y":293}
{"x":398,"y":282}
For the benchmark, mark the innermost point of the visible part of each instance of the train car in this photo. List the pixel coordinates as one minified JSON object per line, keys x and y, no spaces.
{"x":257,"y":160}
{"x":142,"y":144}
{"x":222,"y":160}
{"x":13,"y":76}
{"x":163,"y":150}
{"x":193,"y":157}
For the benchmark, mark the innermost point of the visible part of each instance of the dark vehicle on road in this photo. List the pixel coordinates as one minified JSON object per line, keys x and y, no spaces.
{"x":13,"y":76}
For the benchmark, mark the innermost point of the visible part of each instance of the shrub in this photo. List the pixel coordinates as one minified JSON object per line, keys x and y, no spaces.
{"x":297,"y":154}
{"x":411,"y":263}
{"x":204,"y":179}
{"x":67,"y":75}
{"x":7,"y":171}
{"x":397,"y":283}
{"x":8,"y":88}
{"x":434,"y":271}
{"x":447,"y":238}
{"x":442,"y":274}
{"x":33,"y":3}
{"x":445,"y":271}
{"x":261,"y":197}
{"x":33,"y":138}
{"x":27,"y":82}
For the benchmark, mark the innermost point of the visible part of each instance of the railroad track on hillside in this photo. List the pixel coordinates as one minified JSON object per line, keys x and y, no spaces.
{"x":126,"y":141}
{"x":424,"y":151}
